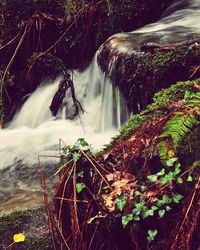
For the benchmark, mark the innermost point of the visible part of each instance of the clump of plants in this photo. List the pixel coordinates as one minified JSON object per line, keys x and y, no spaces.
{"x":134,"y":187}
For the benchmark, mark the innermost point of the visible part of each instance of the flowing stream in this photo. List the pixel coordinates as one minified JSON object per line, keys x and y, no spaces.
{"x":33,"y":132}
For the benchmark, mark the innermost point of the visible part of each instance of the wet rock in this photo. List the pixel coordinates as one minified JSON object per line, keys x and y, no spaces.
{"x":141,"y":73}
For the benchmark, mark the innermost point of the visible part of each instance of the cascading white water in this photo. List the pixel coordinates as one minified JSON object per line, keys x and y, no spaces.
{"x":35,"y":110}
{"x":34,"y":132}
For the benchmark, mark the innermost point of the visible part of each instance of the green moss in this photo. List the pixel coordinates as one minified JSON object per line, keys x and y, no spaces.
{"x":160,"y":102}
{"x":12,"y":223}
{"x":131,"y":124}
{"x":163,"y":59}
{"x":174,"y":93}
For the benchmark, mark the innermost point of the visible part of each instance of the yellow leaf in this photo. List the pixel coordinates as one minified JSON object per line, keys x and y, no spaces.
{"x":19,"y":237}
{"x":171,"y":153}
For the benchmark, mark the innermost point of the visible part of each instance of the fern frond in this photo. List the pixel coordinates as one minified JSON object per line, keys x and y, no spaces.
{"x":176,"y":128}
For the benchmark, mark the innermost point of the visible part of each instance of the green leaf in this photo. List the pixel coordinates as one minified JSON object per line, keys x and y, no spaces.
{"x":155,"y":199}
{"x":179,"y":180}
{"x":161,"y":213}
{"x":126,"y":219}
{"x":162,"y":172}
{"x":139,"y":207}
{"x":142,"y":188}
{"x":136,"y":217}
{"x":177,"y":170}
{"x":168,"y":208}
{"x":187,"y":95}
{"x":177,"y":198}
{"x":76,"y":157}
{"x":165,"y":179}
{"x":137,"y":193}
{"x":80,"y":174}
{"x":75,"y":148}
{"x":189,"y":178}
{"x":82,"y":142}
{"x":65,"y":150}
{"x":151,"y":234}
{"x":152,"y":178}
{"x":154,"y":208}
{"x":147,"y":213}
{"x":171,"y":161}
{"x":177,"y":165}
{"x":166,"y":198}
{"x":121,"y":202}
{"x":79,"y":187}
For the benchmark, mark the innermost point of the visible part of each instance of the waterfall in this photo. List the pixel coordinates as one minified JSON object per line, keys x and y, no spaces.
{"x":36,"y":110}
{"x":33,"y":131}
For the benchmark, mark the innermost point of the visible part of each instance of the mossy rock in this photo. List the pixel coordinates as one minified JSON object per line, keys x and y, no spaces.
{"x":161,"y":100}
{"x":33,"y":223}
{"x":141,"y":74}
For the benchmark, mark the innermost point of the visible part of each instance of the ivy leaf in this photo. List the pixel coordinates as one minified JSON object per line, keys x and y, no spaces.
{"x":154,"y":208}
{"x":80,"y":174}
{"x":165,"y":179}
{"x":137,"y":193}
{"x":177,"y":170}
{"x":189,"y":178}
{"x":179,"y":180}
{"x":147,"y":213}
{"x":152,"y":178}
{"x":161,"y":213}
{"x":79,"y":187}
{"x":162,"y":172}
{"x":142,"y":188}
{"x":151,"y":234}
{"x":171,"y":161}
{"x":177,"y":198}
{"x":160,"y":203}
{"x":76,"y":157}
{"x":138,"y":207}
{"x":82,"y":142}
{"x":168,"y":208}
{"x":126,"y":219}
{"x":64,"y":150}
{"x":136,"y":217}
{"x":166,"y":198}
{"x":121,"y":202}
